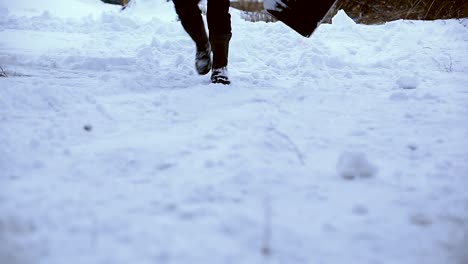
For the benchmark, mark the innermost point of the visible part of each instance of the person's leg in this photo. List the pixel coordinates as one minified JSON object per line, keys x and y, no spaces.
{"x":219,"y":19}
{"x":219,"y":25}
{"x":191,"y":19}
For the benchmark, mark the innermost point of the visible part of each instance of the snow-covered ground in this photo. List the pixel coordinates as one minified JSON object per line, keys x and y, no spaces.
{"x":348,"y":147}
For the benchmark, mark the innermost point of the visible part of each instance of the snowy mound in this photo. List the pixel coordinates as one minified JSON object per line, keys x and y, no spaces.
{"x":342,"y":20}
{"x":149,"y":9}
{"x":65,"y":9}
{"x":114,"y":150}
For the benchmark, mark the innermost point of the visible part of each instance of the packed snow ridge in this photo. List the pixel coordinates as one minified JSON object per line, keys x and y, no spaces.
{"x":346,"y":147}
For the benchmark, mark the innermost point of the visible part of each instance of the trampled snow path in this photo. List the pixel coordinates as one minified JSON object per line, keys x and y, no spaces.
{"x":112,"y":149}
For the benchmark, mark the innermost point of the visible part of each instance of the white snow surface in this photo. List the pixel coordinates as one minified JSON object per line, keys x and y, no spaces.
{"x":113,"y":150}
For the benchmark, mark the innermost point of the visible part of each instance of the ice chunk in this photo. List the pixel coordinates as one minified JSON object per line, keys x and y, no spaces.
{"x":408,"y":82}
{"x":353,"y":165}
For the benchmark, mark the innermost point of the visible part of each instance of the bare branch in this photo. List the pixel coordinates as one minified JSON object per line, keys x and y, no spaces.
{"x":2,"y":72}
{"x":267,"y":231}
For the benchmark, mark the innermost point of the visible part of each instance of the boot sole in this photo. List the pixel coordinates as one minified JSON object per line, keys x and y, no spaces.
{"x":221,"y":81}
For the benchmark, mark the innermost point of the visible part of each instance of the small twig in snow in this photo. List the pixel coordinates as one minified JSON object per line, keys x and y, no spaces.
{"x":2,"y":72}
{"x":294,"y":148}
{"x":449,"y":68}
{"x":267,"y":231}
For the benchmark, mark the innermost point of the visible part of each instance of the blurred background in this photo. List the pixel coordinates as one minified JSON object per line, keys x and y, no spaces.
{"x":364,"y":11}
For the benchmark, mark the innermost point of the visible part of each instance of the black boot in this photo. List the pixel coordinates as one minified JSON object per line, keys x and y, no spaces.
{"x":203,"y":54}
{"x":203,"y":60}
{"x":220,"y":48}
{"x":220,"y":75}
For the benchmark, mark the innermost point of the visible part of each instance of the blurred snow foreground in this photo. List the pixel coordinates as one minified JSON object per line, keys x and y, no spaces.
{"x":348,"y":147}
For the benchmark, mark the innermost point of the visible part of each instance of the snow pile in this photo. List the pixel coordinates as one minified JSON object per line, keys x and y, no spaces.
{"x":64,"y":9}
{"x":114,"y":150}
{"x":150,"y":9}
{"x":353,"y":165}
{"x":342,"y":20}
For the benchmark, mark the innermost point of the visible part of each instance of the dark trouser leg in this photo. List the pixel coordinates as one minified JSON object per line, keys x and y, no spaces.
{"x":219,"y":24}
{"x":191,"y":19}
{"x":219,"y":19}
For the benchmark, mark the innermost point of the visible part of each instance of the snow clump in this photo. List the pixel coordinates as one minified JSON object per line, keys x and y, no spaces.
{"x":342,"y":20}
{"x":408,"y":82}
{"x":353,"y":165}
